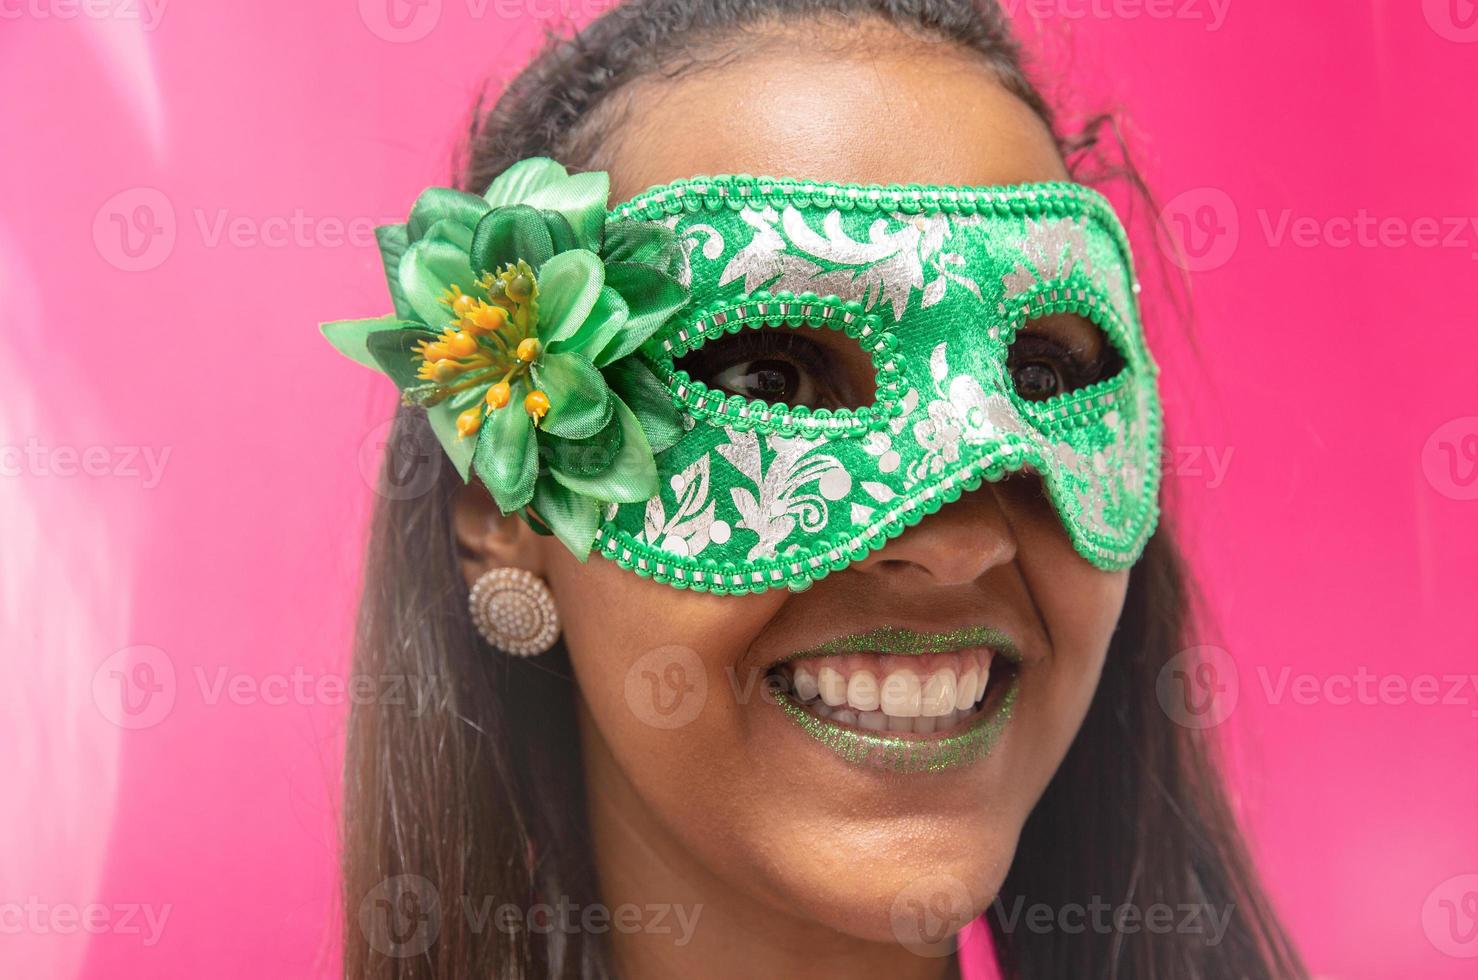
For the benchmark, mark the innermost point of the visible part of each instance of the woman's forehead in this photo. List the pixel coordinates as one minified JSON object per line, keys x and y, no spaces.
{"x":879,"y":119}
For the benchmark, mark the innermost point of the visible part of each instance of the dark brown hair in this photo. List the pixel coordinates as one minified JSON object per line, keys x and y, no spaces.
{"x":443,"y":806}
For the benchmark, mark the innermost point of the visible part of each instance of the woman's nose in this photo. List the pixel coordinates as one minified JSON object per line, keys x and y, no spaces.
{"x":956,"y":544}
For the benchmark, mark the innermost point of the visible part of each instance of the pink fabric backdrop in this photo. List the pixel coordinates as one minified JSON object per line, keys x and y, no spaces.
{"x":188,"y":191}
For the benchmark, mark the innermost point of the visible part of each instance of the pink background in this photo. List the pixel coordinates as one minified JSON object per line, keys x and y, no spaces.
{"x":1334,"y":380}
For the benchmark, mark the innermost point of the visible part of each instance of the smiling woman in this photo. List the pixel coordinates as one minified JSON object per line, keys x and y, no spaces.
{"x":820,"y":379}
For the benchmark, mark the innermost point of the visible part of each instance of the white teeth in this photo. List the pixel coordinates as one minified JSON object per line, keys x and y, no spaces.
{"x":896,"y":724}
{"x":862,"y":691}
{"x":901,"y":694}
{"x":925,"y":726}
{"x":833,"y":686}
{"x":965,"y":690}
{"x":805,"y":684}
{"x":873,"y":721}
{"x":939,"y":693}
{"x":844,"y":716}
{"x":984,"y":680}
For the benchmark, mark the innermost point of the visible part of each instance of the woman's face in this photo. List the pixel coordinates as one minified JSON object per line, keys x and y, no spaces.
{"x":694,"y":773}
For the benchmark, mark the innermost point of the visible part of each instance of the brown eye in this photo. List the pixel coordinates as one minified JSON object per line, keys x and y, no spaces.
{"x":793,"y":366}
{"x":1036,"y":381}
{"x":1057,"y":354}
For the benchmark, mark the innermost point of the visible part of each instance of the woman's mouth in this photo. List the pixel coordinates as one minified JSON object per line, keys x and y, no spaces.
{"x":909,"y":711}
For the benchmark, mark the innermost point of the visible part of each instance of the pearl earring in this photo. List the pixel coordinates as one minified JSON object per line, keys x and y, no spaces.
{"x":514,"y":611}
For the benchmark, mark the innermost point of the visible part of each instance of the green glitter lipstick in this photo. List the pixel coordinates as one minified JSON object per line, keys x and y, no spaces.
{"x":899,"y":699}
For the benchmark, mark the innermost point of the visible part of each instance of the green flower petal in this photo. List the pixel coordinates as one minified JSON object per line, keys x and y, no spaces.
{"x":351,"y":337}
{"x":509,"y":234}
{"x":443,"y":419}
{"x":560,"y":231}
{"x":507,"y":457}
{"x":569,"y":286}
{"x":581,"y":198}
{"x":649,"y":244}
{"x":393,"y":241}
{"x":392,"y":351}
{"x":579,"y":400}
{"x":629,"y":477}
{"x":516,"y":184}
{"x":430,"y":265}
{"x":638,"y":386}
{"x":570,"y":516}
{"x":605,"y":320}
{"x":442,"y":203}
{"x":652,"y":298}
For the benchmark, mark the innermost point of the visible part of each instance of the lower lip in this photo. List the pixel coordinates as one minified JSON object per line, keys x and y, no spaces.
{"x":955,"y":749}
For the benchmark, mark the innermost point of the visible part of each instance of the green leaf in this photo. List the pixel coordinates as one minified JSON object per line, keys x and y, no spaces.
{"x":644,"y":242}
{"x":569,"y":286}
{"x":444,"y":204}
{"x":652,"y":298}
{"x":629,"y":477}
{"x":520,"y":181}
{"x":507,"y":458}
{"x":393,"y":352}
{"x":570,"y":516}
{"x":509,"y":234}
{"x":560,"y":231}
{"x":430,"y":265}
{"x":638,"y":386}
{"x":579,"y":400}
{"x":393,"y":242}
{"x":581,"y":198}
{"x":351,"y":337}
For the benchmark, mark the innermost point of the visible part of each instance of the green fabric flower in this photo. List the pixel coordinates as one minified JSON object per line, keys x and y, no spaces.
{"x":518,"y":317}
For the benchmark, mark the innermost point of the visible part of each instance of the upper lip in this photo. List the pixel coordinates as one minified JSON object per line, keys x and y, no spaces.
{"x":896,"y":638}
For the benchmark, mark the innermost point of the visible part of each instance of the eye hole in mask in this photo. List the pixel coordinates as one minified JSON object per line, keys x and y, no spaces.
{"x":1057,"y":354}
{"x":786,"y":365}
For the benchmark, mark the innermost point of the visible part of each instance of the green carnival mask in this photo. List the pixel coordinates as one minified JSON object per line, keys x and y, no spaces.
{"x":711,"y":491}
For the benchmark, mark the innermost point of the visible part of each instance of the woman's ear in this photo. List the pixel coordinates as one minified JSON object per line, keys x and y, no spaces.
{"x":487,"y":538}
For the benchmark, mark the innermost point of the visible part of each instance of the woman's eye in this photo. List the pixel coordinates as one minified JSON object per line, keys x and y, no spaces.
{"x":769,"y":379}
{"x":1037,"y":381}
{"x":1058,"y":354}
{"x":783,"y":366}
